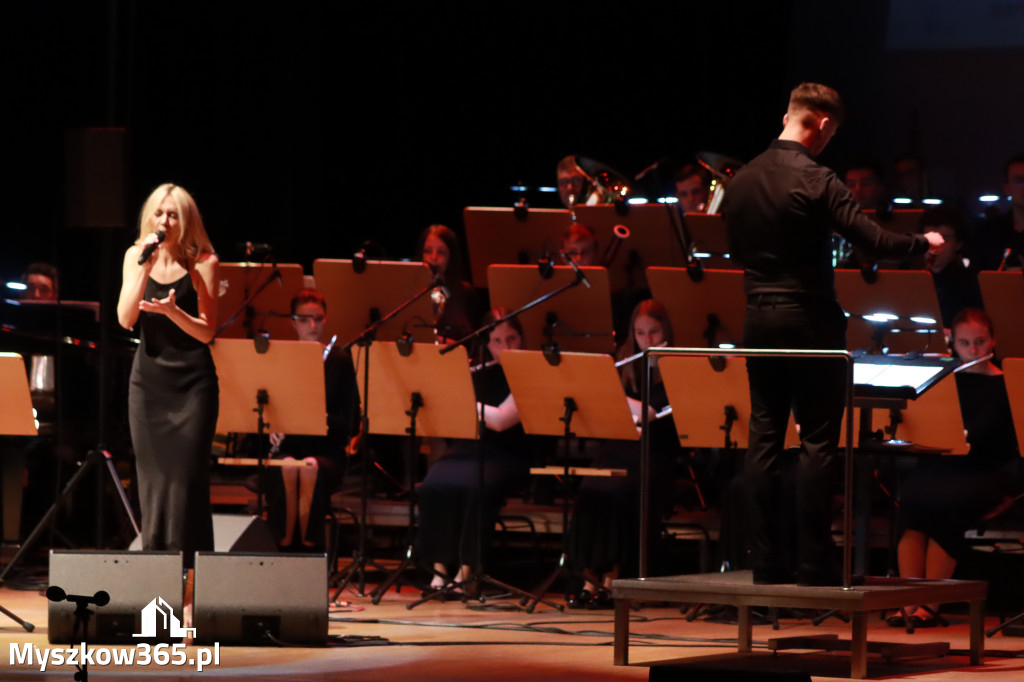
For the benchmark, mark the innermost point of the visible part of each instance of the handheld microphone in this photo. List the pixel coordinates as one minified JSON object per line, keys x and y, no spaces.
{"x":575,"y":268}
{"x":149,"y":248}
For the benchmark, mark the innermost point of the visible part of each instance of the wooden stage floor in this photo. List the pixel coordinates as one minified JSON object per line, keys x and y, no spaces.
{"x":451,"y":641}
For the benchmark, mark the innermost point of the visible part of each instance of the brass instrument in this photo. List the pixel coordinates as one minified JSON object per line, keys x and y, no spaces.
{"x":620,"y":233}
{"x":722,"y":169}
{"x":603,"y":184}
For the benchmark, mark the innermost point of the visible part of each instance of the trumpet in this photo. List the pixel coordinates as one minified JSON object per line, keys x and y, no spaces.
{"x":620,"y":233}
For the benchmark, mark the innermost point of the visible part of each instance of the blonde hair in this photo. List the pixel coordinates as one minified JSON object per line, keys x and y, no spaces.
{"x":194,"y":241}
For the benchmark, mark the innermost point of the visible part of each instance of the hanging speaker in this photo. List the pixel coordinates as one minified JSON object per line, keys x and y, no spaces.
{"x":144,"y":596}
{"x":260,"y":599}
{"x":96,"y":160}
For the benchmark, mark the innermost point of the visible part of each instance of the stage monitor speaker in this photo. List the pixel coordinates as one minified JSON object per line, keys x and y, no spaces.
{"x":96,"y":160}
{"x":234,"y":533}
{"x":695,"y":673}
{"x":138,"y":584}
{"x":256,"y":599}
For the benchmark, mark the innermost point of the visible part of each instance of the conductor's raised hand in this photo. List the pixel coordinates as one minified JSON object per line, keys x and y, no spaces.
{"x":161,"y":306}
{"x":935,"y":242}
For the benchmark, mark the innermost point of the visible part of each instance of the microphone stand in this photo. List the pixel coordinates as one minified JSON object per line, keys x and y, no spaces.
{"x":365,"y":340}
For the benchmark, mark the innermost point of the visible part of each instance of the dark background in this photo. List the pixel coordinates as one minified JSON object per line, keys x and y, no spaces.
{"x":315,"y":125}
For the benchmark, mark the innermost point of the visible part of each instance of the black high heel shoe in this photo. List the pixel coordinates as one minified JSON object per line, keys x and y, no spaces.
{"x":580,"y":600}
{"x":601,"y":601}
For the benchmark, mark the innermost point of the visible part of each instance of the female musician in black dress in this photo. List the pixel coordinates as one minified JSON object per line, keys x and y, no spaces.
{"x":452,"y":508}
{"x":438,"y":247}
{"x":603,"y":540}
{"x":946,"y":496}
{"x":169,"y":290}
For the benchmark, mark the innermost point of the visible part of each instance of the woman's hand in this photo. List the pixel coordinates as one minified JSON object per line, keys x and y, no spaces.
{"x":166,"y":306}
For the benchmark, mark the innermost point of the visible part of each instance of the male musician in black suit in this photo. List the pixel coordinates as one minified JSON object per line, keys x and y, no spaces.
{"x":998,"y":242}
{"x":781,"y":211}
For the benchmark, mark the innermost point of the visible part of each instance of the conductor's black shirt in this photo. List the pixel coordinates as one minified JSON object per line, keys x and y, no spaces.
{"x":780,"y":212}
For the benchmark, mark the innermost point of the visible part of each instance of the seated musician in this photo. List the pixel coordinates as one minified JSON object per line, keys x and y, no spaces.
{"x":438,"y":247}
{"x":946,"y":496}
{"x":956,"y":285}
{"x":603,"y":541}
{"x":456,"y":517}
{"x":304,"y":491}
{"x":41,"y":282}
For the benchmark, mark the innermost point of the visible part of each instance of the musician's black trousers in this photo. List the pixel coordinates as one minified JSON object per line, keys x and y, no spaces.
{"x":813,"y":389}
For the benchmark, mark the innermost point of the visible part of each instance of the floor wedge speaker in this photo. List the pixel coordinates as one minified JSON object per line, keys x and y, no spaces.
{"x":257,"y":599}
{"x":145,"y":591}
{"x":235,"y":533}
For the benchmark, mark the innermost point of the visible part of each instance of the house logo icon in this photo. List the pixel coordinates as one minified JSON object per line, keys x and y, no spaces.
{"x":159,"y":609}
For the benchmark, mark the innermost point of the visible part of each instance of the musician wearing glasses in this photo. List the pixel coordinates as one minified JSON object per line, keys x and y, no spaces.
{"x":781,"y":211}
{"x":300,"y":496}
{"x":603,"y":539}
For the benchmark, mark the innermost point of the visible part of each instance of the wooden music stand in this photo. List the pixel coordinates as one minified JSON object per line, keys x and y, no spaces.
{"x":269,"y":311}
{"x":900,"y":221}
{"x":16,"y":418}
{"x":355,"y":300}
{"x":704,"y":313}
{"x":1002,"y":293}
{"x":709,"y":241}
{"x":581,"y":396}
{"x":654,"y":240}
{"x":701,"y":398}
{"x":584,"y":315}
{"x":281,"y":389}
{"x":423,"y":394}
{"x":1013,"y":370}
{"x":906,"y":293}
{"x":511,"y":236}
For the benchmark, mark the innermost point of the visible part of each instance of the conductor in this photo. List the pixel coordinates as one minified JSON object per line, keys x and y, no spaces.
{"x":780,"y":212}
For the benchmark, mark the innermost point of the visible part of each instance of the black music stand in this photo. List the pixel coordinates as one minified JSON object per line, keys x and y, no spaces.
{"x":507,"y":235}
{"x":267,"y":390}
{"x":655,"y":239}
{"x":1002,"y":293}
{"x":580,"y":396}
{"x":422,"y":393}
{"x":16,"y":418}
{"x":579,"y":320}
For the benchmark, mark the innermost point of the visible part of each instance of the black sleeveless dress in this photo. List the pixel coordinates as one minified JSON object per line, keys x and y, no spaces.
{"x":172,"y":412}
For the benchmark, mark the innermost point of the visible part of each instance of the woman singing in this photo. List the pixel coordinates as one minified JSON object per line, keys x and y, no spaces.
{"x":169,"y":287}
